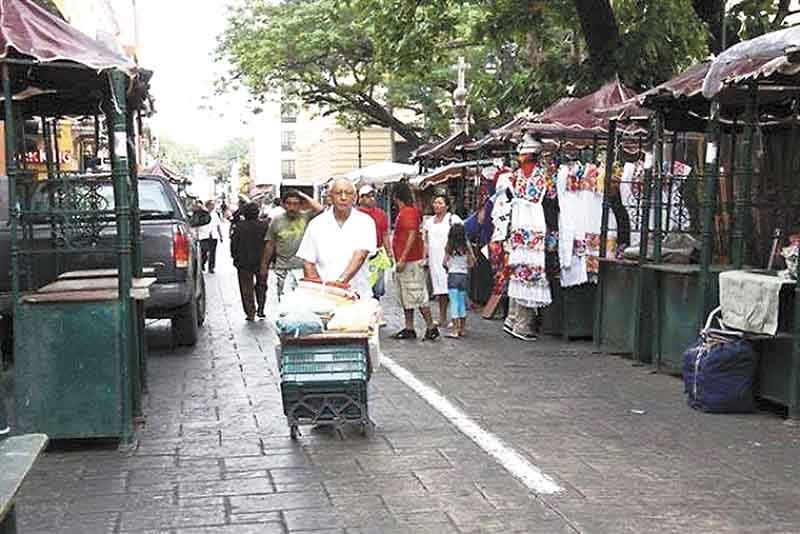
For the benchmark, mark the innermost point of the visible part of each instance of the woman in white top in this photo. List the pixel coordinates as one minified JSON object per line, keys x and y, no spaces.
{"x":436,"y":230}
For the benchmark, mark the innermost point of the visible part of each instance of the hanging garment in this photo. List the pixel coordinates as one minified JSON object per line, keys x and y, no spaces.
{"x":528,"y":231}
{"x":571,"y":244}
{"x":528,"y":284}
{"x":501,"y":215}
{"x":592,"y":200}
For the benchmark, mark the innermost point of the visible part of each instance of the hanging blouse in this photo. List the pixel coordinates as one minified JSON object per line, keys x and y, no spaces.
{"x":501,"y":216}
{"x":581,"y":207}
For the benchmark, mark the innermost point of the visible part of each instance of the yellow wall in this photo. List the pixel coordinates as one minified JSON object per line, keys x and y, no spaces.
{"x":335,"y":153}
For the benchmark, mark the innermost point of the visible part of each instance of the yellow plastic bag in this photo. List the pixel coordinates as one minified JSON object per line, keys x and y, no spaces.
{"x":377,"y":264}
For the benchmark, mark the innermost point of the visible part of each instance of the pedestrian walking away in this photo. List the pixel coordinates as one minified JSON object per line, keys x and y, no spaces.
{"x":283,"y":238}
{"x":368,"y":205}
{"x":408,"y":251}
{"x":337,"y":242}
{"x":247,"y":244}
{"x":208,"y":234}
{"x":436,"y":233}
{"x":458,"y":260}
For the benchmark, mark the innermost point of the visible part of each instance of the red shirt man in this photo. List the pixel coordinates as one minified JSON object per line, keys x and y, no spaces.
{"x":367,"y":204}
{"x":408,"y":219}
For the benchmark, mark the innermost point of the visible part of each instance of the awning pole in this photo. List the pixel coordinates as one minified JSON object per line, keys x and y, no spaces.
{"x":11,"y":171}
{"x":711,"y":176}
{"x":743,"y":200}
{"x":610,"y":156}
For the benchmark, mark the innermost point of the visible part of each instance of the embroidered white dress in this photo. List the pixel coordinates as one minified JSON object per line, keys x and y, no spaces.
{"x":528,"y":284}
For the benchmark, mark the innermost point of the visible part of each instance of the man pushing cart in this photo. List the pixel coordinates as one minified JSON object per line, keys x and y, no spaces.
{"x":328,"y":332}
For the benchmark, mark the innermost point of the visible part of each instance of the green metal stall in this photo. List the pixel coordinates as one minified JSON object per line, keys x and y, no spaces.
{"x":749,"y":108}
{"x":78,"y":351}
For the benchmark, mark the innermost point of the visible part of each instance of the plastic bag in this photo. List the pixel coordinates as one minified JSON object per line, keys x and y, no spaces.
{"x":376,"y":265}
{"x":299,"y":323}
{"x":357,"y":317}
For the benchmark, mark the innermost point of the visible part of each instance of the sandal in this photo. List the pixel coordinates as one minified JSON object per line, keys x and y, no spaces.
{"x":405,"y":333}
{"x":431,"y":334}
{"x":454,"y":335}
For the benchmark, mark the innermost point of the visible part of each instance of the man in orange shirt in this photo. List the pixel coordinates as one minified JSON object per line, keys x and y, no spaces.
{"x":408,"y":253}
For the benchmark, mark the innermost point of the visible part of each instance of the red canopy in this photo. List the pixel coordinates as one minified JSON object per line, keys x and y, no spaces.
{"x":159,"y":169}
{"x":577,"y":115}
{"x":34,"y":32}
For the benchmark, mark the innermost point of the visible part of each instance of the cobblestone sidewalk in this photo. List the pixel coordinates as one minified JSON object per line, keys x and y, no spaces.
{"x":214,"y":456}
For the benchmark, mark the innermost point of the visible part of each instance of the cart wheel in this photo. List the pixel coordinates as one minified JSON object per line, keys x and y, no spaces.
{"x":293,"y":431}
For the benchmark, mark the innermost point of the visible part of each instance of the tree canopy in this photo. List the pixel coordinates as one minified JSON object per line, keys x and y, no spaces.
{"x":371,"y":59}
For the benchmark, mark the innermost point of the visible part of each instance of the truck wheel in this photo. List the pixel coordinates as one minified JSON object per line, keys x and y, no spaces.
{"x":201,"y":302}
{"x":185,"y":330}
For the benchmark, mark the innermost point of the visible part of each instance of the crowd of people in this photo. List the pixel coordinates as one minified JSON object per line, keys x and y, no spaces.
{"x":348,"y":242}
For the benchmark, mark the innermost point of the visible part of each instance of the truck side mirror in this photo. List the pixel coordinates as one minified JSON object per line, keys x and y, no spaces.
{"x":199,"y":218}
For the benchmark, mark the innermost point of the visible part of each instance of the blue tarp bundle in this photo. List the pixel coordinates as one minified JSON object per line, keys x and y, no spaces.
{"x":719,"y":375}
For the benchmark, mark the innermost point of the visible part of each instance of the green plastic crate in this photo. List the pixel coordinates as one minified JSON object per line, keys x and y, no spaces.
{"x":328,"y":363}
{"x":325,"y":400}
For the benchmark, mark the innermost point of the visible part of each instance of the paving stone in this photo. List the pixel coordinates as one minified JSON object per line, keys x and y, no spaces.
{"x":403,"y":463}
{"x":258,"y":463}
{"x":205,"y":488}
{"x":277,"y":501}
{"x":311,"y":519}
{"x":261,"y":528}
{"x":376,"y":485}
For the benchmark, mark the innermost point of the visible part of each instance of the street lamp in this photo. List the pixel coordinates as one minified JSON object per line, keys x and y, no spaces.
{"x":491,"y":66}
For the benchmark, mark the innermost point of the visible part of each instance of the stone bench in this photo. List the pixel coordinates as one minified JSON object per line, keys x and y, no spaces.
{"x":17,"y":456}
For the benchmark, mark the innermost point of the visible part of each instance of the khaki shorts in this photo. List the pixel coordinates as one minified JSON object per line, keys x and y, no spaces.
{"x":411,"y":285}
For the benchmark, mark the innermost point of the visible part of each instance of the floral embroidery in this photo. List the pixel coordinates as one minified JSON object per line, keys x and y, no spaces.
{"x":551,"y":241}
{"x":538,"y":184}
{"x":525,"y":238}
{"x":529,"y":274}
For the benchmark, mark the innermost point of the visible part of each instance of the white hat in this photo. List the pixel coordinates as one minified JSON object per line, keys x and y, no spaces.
{"x":529,"y":145}
{"x":365,"y":190}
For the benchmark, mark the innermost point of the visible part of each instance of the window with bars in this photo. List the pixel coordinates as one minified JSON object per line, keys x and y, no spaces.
{"x":289,"y":113}
{"x":287,"y":169}
{"x":287,"y":141}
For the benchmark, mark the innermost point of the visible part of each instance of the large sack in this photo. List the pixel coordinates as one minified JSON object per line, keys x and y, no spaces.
{"x":719,"y":375}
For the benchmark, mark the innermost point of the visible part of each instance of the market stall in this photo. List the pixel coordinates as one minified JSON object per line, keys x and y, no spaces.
{"x":49,"y":71}
{"x":759,"y":80}
{"x":580,"y":135}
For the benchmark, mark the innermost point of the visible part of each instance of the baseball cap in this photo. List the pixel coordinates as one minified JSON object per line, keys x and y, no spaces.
{"x":365,"y":190}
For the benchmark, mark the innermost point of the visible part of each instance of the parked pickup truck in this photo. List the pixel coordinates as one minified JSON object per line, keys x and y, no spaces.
{"x":168,"y":245}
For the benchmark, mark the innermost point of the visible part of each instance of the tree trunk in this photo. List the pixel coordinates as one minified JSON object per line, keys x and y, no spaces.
{"x":599,"y":26}
{"x":383,"y":117}
{"x":710,"y":12}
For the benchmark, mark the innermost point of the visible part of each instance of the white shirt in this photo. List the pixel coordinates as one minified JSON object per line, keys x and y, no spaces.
{"x":207,"y":230}
{"x":275,"y":212}
{"x":331,"y":247}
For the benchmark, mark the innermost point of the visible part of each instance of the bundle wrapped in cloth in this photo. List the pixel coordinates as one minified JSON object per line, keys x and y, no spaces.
{"x":316,"y":297}
{"x":358,"y":316}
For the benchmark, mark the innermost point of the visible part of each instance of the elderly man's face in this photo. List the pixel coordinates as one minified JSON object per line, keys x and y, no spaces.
{"x":342,"y":195}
